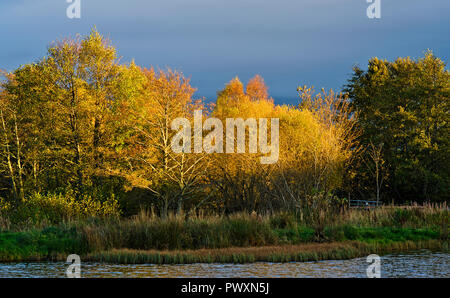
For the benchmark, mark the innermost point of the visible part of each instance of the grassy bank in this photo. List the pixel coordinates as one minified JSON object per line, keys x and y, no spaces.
{"x":238,"y":238}
{"x":39,"y":245}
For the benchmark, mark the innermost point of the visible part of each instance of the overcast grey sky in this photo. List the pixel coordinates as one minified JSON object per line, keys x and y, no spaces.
{"x":288,"y":42}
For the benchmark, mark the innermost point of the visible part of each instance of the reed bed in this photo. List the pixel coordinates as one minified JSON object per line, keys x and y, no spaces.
{"x":249,"y":237}
{"x":147,"y":231}
{"x":279,"y":254}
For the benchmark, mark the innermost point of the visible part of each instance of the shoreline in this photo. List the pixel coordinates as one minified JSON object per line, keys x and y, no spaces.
{"x":306,"y":252}
{"x":273,"y":254}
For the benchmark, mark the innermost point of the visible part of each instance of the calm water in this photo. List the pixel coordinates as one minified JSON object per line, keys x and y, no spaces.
{"x":417,"y":264}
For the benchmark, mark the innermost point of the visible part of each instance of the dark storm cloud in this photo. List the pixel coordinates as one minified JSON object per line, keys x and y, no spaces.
{"x":288,"y":42}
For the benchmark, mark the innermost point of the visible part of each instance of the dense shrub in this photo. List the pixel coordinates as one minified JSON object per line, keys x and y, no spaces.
{"x":40,"y":209}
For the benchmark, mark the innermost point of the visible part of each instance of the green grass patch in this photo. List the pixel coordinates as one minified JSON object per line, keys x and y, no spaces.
{"x":383,"y":234}
{"x":36,"y":245}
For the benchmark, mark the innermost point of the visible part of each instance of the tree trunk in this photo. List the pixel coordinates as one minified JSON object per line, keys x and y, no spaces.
{"x":8,"y":157}
{"x":19,"y":162}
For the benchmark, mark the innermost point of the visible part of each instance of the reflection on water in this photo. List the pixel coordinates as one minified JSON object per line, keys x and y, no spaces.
{"x":418,"y":264}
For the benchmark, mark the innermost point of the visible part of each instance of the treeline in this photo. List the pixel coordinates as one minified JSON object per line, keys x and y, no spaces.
{"x":403,"y":114}
{"x":77,"y":126}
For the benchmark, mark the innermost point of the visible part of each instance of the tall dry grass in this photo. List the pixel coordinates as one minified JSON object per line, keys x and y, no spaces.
{"x":147,"y":231}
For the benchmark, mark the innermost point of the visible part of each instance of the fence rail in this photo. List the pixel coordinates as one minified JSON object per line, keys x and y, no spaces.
{"x":363,"y":204}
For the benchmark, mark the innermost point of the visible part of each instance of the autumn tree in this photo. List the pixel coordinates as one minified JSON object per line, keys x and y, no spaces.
{"x":317,"y":141}
{"x":62,"y":105}
{"x":240,"y":179}
{"x":23,"y":123}
{"x":257,"y":89}
{"x":150,"y":162}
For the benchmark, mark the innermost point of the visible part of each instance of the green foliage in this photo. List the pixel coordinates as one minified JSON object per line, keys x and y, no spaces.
{"x":56,"y":208}
{"x":57,"y":118}
{"x":380,"y":234}
{"x":295,"y":235}
{"x":403,"y":106}
{"x":40,"y":245}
